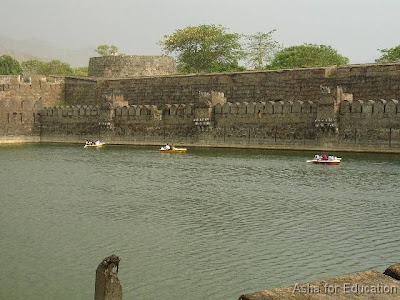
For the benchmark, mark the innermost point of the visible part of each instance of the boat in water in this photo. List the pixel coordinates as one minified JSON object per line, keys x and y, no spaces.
{"x":96,"y":144}
{"x":325,"y":160}
{"x":172,"y":149}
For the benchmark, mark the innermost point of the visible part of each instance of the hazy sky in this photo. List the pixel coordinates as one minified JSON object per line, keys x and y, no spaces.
{"x":356,"y":28}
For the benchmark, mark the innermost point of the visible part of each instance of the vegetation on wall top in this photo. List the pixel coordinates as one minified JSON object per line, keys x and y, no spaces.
{"x":260,"y":49}
{"x":306,"y":56}
{"x":211,"y":48}
{"x":9,"y":66}
{"x":107,"y":50}
{"x":391,"y":55}
{"x":204,"y":48}
{"x":35,"y":67}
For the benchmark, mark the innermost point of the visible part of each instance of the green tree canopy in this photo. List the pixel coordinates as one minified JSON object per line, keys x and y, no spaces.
{"x":33,"y":67}
{"x":307,"y":55}
{"x":81,"y":71}
{"x":54,"y":67}
{"x":9,"y":66}
{"x":57,"y":67}
{"x":107,"y":50}
{"x":260,"y":49}
{"x":204,"y":48}
{"x":389,"y":55}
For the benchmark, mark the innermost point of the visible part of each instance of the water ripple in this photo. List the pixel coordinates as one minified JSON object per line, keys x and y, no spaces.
{"x":210,"y":224}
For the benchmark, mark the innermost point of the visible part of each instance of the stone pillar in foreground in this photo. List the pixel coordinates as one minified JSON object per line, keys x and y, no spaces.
{"x":107,"y":285}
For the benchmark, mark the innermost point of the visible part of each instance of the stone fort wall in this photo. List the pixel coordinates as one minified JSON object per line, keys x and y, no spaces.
{"x":363,"y":81}
{"x":131,"y":66}
{"x":350,"y":108}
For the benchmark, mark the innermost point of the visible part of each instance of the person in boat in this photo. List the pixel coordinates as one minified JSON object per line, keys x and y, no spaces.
{"x":324,"y":157}
{"x":167,"y":147}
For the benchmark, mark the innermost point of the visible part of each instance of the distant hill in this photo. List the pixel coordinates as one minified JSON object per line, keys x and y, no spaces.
{"x":23,"y":50}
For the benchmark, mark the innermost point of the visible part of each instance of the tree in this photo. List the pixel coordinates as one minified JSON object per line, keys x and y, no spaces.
{"x":260,"y":49}
{"x":107,"y":50}
{"x":81,"y":71}
{"x":9,"y":66}
{"x":391,"y":55}
{"x":307,"y":55}
{"x":33,"y":67}
{"x":57,"y":67}
{"x":54,"y":67}
{"x":204,"y":48}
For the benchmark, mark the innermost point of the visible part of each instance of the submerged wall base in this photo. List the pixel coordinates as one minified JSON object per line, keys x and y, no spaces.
{"x":19,"y":139}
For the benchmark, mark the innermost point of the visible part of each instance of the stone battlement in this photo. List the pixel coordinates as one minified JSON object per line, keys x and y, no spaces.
{"x":350,"y":123}
{"x":378,"y":108}
{"x":285,"y":111}
{"x":70,"y":111}
{"x":10,"y":82}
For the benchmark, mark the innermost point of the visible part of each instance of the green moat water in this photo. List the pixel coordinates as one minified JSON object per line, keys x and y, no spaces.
{"x":211,"y":224}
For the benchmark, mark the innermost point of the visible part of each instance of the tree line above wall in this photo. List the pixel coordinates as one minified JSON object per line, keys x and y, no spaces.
{"x":32,"y":67}
{"x":209,"y":49}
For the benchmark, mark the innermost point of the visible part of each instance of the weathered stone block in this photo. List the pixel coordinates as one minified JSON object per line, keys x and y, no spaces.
{"x":278,"y":107}
{"x":144,"y":111}
{"x":379,"y":106}
{"x":357,"y":106}
{"x":307,"y":107}
{"x":189,"y":109}
{"x":287,"y":107}
{"x":132,"y":110}
{"x":269,"y":107}
{"x":368,"y":107}
{"x":242,"y":108}
{"x":235,"y":108}
{"x":226,"y":108}
{"x":391,"y":107}
{"x":296,"y":107}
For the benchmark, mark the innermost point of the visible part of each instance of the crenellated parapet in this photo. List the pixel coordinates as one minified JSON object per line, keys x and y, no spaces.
{"x":70,"y":112}
{"x":265,"y":108}
{"x":36,"y":83}
{"x":135,"y":112}
{"x":177,"y":110}
{"x":378,"y":108}
{"x":282,"y":111}
{"x":370,"y":114}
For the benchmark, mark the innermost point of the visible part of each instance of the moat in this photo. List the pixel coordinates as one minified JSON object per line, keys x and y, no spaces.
{"x":210,"y":224}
